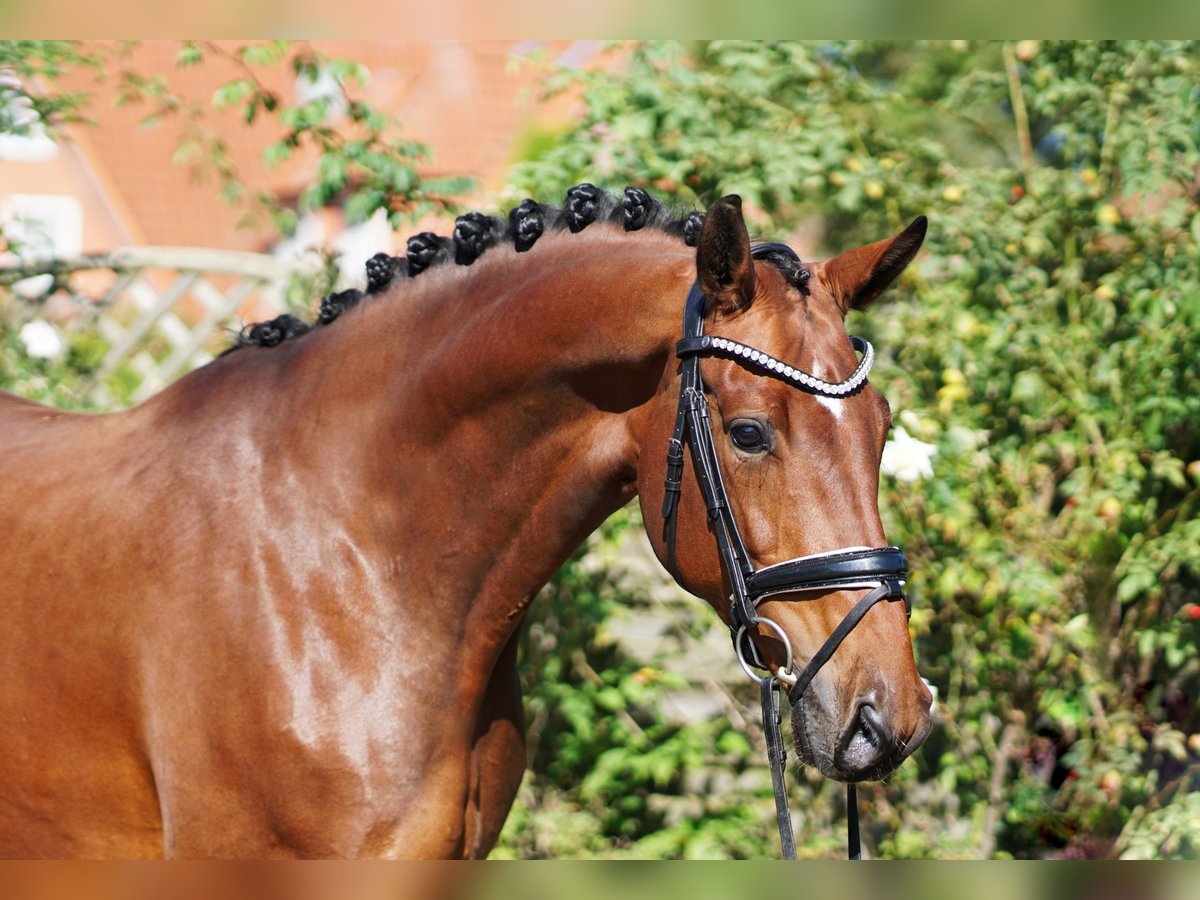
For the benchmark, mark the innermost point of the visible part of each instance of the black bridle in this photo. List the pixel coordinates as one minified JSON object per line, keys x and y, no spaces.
{"x":882,"y":570}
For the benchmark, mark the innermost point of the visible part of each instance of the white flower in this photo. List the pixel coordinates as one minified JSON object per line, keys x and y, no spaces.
{"x":906,"y":458}
{"x":41,"y":340}
{"x":932,"y":688}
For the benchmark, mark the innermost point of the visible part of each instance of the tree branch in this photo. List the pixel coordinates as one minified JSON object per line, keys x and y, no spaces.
{"x":1019,"y":114}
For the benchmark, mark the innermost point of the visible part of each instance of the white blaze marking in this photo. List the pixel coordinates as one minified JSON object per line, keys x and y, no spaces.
{"x":835,"y":406}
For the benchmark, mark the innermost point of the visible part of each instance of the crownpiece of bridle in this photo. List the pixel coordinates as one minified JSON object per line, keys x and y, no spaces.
{"x":879,"y":570}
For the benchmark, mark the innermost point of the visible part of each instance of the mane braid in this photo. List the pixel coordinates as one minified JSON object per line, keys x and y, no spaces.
{"x":427,"y":249}
{"x":270,"y":333}
{"x":475,"y":233}
{"x":528,"y":221}
{"x":584,"y":205}
{"x":640,"y":210}
{"x":792,"y":269}
{"x":383,"y":271}
{"x":333,"y":305}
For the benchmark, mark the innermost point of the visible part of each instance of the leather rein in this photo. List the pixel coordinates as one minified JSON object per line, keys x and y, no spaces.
{"x":880,"y":570}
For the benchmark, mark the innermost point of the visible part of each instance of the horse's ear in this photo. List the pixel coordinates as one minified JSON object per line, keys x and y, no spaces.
{"x":857,"y":277}
{"x":724,"y":266}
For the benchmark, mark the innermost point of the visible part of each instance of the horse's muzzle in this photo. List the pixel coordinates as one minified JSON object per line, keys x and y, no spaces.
{"x":869,"y":744}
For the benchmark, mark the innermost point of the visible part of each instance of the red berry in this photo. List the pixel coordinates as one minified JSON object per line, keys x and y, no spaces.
{"x":1192,"y":610}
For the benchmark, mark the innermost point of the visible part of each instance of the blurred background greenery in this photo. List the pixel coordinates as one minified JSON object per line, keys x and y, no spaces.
{"x":1045,"y":343}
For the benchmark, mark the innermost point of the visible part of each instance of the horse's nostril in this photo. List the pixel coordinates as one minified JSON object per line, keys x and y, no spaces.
{"x":874,"y":727}
{"x":866,"y":740}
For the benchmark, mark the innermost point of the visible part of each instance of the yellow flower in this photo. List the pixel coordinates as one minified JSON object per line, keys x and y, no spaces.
{"x":1110,"y":509}
{"x":1108,"y":215}
{"x":950,"y":394}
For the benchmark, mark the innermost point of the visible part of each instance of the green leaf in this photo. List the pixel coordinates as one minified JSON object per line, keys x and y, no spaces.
{"x":232,"y":93}
{"x":268,"y":54}
{"x":190,"y":55}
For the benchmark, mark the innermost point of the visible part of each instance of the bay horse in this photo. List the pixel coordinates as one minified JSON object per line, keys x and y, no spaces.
{"x":273,"y":610}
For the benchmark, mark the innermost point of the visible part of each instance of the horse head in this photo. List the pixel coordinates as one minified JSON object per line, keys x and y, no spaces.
{"x":795,"y":436}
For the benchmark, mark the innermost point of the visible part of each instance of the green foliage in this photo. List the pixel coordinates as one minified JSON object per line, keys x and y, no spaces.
{"x":55,"y":381}
{"x":362,"y":160}
{"x":1046,"y":344}
{"x":41,"y":63}
{"x":1169,"y":831}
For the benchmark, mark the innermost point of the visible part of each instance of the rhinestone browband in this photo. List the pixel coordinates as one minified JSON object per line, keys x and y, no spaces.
{"x":713,"y":344}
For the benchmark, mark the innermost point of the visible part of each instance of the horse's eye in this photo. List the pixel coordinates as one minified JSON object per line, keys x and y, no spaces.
{"x":748,"y":436}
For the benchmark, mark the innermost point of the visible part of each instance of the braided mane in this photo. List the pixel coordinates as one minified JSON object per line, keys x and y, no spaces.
{"x":474,"y":234}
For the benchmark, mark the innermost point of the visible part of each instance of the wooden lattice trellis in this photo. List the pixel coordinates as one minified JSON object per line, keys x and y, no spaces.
{"x":160,"y":311}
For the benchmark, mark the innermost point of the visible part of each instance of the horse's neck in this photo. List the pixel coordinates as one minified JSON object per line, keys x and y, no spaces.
{"x":488,"y":410}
